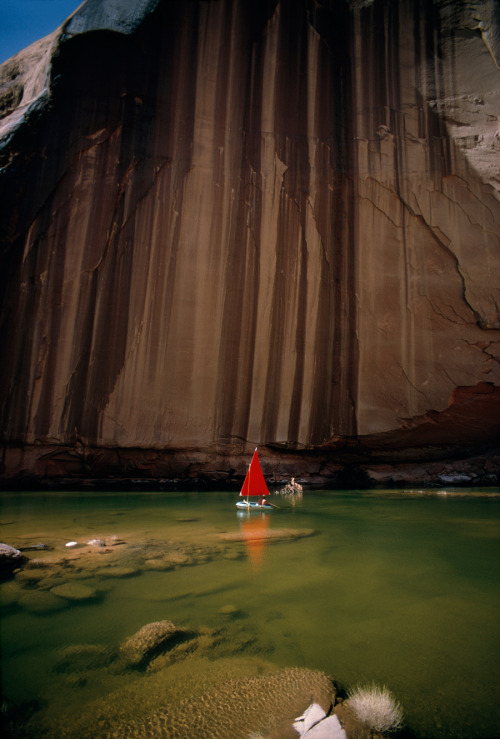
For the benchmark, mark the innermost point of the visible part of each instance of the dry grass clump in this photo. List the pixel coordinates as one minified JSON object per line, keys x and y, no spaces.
{"x":376,"y":708}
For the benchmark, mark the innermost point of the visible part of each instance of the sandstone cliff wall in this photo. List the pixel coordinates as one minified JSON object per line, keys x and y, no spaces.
{"x":234,"y":222}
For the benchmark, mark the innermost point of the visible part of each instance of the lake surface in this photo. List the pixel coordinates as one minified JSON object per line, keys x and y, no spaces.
{"x":394,"y":588}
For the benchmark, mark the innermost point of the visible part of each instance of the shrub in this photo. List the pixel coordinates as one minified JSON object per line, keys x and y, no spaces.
{"x":376,"y":707}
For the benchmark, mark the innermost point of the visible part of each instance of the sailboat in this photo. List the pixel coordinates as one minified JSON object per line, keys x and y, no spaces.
{"x":254,"y":486}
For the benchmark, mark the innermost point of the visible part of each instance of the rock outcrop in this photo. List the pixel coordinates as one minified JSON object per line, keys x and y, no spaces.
{"x":149,"y":640}
{"x":10,"y":558}
{"x":243,"y":222}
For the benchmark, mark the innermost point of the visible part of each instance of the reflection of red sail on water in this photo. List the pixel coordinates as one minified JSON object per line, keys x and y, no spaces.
{"x":254,"y":531}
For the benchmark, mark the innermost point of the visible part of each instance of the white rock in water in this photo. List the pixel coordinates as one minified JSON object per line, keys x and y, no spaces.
{"x":315,"y":723}
{"x":329,"y":728}
{"x":9,"y":556}
{"x":71,"y":544}
{"x":311,"y":716}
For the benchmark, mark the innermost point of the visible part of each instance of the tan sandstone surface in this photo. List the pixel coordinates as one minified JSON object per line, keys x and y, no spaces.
{"x":228,"y":224}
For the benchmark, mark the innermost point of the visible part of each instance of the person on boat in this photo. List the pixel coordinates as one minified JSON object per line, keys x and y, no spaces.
{"x":262,"y":501}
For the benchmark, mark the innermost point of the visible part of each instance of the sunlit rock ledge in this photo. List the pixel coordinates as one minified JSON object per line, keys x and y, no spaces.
{"x":228,"y":224}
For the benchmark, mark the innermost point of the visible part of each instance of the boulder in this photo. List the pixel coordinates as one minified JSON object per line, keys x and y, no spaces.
{"x":149,"y":641}
{"x":315,"y":723}
{"x":10,"y":558}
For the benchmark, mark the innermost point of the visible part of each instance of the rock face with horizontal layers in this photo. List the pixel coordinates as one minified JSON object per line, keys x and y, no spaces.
{"x":243,"y":222}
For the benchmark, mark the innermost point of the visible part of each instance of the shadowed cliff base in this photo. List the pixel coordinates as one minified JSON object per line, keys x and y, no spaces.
{"x":435,"y":449}
{"x":239,"y":222}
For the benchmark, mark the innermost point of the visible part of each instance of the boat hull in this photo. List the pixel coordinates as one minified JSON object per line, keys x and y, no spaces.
{"x":244,"y":506}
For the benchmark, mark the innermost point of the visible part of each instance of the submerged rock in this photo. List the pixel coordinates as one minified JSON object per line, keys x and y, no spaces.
{"x":29,"y":577}
{"x":41,"y":564}
{"x":160,"y":563}
{"x":233,"y":555}
{"x":179,"y":559}
{"x":149,"y":641}
{"x":10,"y":593}
{"x":267,"y":534}
{"x":117,"y":571}
{"x":230,"y":611}
{"x":74,"y":591}
{"x":41,"y":601}
{"x":265,"y":705}
{"x":83,"y":657}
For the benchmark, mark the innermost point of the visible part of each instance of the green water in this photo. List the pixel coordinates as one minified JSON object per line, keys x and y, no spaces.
{"x":395,"y":588}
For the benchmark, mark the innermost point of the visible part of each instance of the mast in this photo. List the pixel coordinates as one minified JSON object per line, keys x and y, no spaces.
{"x":248,"y":476}
{"x":249,"y":468}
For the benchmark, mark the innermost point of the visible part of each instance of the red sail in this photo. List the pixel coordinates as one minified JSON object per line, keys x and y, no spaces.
{"x":254,"y":481}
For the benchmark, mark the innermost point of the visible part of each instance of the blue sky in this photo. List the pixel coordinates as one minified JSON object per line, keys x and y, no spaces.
{"x":25,"y":21}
